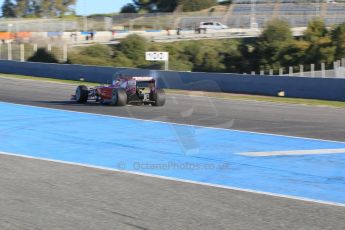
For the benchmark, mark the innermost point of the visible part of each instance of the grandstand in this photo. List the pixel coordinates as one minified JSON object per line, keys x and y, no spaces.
{"x":240,"y":14}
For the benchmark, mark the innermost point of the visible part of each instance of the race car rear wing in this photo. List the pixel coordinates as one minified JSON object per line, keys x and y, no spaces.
{"x":144,"y":78}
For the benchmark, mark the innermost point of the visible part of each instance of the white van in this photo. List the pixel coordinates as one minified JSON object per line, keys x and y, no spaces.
{"x":212,"y":25}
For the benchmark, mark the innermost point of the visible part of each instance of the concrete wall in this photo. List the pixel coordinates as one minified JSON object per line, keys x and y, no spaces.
{"x":300,"y":87}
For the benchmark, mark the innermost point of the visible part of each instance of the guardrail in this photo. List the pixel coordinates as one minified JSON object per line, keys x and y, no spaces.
{"x":298,"y":87}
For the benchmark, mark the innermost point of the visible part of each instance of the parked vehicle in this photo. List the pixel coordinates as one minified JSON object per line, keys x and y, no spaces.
{"x":213,"y":26}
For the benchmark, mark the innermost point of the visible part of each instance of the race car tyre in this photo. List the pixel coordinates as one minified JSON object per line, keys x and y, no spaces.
{"x":119,"y":97}
{"x":159,"y":98}
{"x":82,"y":94}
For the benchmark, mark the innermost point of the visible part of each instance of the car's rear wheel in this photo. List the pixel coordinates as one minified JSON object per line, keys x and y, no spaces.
{"x":82,"y":94}
{"x":158,"y":97}
{"x":119,"y":97}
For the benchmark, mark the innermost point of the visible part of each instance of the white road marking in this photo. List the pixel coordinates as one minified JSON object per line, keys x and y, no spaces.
{"x":173,"y":123}
{"x":174,"y":179}
{"x":293,"y":152}
{"x":180,"y":180}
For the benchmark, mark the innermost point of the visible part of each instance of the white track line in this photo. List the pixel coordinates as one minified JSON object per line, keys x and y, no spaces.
{"x":173,"y":123}
{"x":174,"y":179}
{"x":293,"y":152}
{"x":179,"y":180}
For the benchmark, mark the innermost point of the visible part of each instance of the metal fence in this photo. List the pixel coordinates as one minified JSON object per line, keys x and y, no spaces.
{"x":312,"y":70}
{"x":23,"y":51}
{"x":239,"y":15}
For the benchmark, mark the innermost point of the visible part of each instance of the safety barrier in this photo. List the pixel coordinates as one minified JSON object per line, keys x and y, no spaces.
{"x":298,"y":87}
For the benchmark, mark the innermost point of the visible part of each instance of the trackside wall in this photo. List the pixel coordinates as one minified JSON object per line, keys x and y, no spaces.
{"x":299,"y":87}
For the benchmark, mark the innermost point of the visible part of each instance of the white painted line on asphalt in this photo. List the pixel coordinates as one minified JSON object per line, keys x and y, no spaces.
{"x":173,"y":123}
{"x":293,"y":152}
{"x":178,"y":180}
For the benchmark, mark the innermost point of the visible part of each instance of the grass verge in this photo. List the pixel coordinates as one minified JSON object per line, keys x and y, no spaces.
{"x":230,"y":96}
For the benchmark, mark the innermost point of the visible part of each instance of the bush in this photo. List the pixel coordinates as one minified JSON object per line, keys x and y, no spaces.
{"x":195,"y":5}
{"x":42,"y":55}
{"x":92,"y":55}
{"x":120,"y":60}
{"x":99,"y":51}
{"x":77,"y":58}
{"x":134,"y":48}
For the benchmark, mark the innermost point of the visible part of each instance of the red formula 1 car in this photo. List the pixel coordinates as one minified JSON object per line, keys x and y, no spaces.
{"x":124,"y":90}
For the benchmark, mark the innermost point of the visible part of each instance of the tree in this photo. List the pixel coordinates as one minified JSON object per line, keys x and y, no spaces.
{"x":35,"y":9}
{"x":144,"y":5}
{"x":8,"y":9}
{"x":338,"y":37}
{"x":294,"y":54}
{"x":272,"y":43}
{"x":170,"y":5}
{"x":206,"y":56}
{"x":62,"y":7}
{"x":315,"y":30}
{"x":42,"y":55}
{"x":43,"y":8}
{"x":46,"y":8}
{"x":22,"y":8}
{"x":320,"y":48}
{"x":167,"y":5}
{"x":195,"y":5}
{"x":234,"y":56}
{"x":129,"y":8}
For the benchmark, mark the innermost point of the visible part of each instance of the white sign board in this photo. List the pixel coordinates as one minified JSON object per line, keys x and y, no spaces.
{"x":157,"y":56}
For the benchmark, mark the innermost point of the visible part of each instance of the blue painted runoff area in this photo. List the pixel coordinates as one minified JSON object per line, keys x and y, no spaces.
{"x":198,"y":154}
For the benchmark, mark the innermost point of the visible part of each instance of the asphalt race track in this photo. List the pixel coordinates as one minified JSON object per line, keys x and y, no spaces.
{"x":294,"y":120}
{"x":38,"y":194}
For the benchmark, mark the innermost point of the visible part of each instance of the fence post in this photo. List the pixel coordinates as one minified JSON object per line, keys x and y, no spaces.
{"x":262,"y":72}
{"x":271,"y":72}
{"x":335,"y":68}
{"x":281,"y":71}
{"x":323,"y":70}
{"x":9,"y":50}
{"x":22,"y":49}
{"x":291,"y":71}
{"x":65,"y":53}
{"x":252,"y":73}
{"x":35,"y":48}
{"x":343,"y":62}
{"x":312,"y":70}
{"x":301,"y":70}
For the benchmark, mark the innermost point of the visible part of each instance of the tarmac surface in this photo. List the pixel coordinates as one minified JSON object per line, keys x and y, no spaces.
{"x":36,"y":194}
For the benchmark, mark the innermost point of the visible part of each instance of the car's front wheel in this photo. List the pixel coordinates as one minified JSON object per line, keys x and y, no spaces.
{"x":82,"y":94}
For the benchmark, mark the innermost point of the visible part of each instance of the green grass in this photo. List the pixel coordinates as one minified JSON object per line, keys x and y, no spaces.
{"x":230,"y":96}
